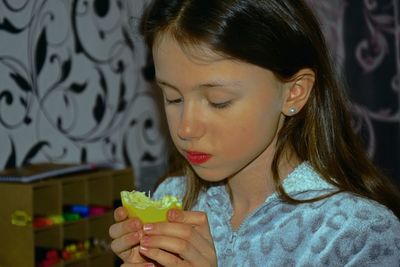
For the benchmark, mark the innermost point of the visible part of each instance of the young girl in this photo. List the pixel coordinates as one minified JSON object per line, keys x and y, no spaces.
{"x":275,"y":175}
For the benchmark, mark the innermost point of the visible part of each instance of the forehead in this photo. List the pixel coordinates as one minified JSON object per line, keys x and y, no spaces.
{"x":191,"y":63}
{"x":197,"y":51}
{"x":200,"y":67}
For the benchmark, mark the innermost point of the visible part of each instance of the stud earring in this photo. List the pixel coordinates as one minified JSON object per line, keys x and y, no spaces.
{"x":292,"y":110}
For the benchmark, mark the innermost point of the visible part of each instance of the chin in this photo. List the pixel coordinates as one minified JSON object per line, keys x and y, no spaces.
{"x":212,"y":176}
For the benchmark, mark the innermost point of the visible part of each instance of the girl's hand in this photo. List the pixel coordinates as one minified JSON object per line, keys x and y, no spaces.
{"x":183,"y":241}
{"x":126,"y":234}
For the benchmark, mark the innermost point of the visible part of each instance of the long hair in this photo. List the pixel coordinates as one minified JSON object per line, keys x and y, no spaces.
{"x":284,"y":37}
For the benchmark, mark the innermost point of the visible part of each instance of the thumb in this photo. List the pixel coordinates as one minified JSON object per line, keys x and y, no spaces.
{"x":175,"y":215}
{"x":196,"y":218}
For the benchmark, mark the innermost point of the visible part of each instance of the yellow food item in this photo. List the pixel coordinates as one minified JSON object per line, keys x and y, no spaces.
{"x":147,"y":210}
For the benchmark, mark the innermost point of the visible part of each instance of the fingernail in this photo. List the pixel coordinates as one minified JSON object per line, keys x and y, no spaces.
{"x":149,"y":264}
{"x":145,"y":241}
{"x":143,"y":249}
{"x":147,"y":227}
{"x":172,"y":214}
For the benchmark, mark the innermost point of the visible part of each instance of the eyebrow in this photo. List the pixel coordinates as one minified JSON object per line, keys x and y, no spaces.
{"x":211,"y":84}
{"x":161,"y":82}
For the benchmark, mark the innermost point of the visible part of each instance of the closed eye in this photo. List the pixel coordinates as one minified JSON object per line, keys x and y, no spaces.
{"x":221,"y":105}
{"x":173,"y":101}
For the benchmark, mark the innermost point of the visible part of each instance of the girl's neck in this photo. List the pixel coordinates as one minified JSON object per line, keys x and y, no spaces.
{"x":250,"y":188}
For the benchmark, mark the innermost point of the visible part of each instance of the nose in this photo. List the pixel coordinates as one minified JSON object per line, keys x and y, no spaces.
{"x":190,"y":125}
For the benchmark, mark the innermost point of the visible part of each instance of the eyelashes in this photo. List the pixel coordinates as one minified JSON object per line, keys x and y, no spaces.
{"x":172,"y":101}
{"x":220,"y":105}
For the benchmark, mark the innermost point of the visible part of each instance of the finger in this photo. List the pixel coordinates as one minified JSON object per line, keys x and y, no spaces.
{"x":181,"y":231}
{"x":124,"y":243}
{"x":119,"y":229}
{"x":120,"y":214}
{"x":181,"y":239}
{"x":189,"y":217}
{"x":196,"y":218}
{"x":162,"y":257}
{"x":144,"y":264}
{"x":132,"y":256}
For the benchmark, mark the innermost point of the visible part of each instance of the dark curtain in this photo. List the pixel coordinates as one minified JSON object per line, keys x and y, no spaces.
{"x":364,"y":37}
{"x":372,"y":73}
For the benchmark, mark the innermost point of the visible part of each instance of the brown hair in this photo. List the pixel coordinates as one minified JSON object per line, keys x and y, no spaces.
{"x":284,"y":37}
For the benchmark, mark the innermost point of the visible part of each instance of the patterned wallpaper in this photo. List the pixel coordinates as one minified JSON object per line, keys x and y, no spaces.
{"x":73,"y":81}
{"x":72,"y":88}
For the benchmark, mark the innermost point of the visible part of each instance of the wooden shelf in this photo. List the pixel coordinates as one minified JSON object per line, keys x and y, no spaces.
{"x":23,"y":202}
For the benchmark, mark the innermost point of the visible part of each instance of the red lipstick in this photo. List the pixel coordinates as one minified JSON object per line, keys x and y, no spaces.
{"x":195,"y":157}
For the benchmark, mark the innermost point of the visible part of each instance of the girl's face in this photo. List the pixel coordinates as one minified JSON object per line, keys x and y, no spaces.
{"x":223,"y":115}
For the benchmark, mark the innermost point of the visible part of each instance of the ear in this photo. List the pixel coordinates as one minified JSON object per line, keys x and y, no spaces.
{"x":297,"y":92}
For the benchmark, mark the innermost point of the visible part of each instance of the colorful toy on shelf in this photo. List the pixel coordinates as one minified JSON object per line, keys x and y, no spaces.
{"x":98,"y":210}
{"x":69,"y":217}
{"x":100,"y":244}
{"x":82,"y":210}
{"x":56,"y":219}
{"x":46,"y":257}
{"x":20,"y":218}
{"x":45,"y":221}
{"x":41,"y":222}
{"x":75,"y":249}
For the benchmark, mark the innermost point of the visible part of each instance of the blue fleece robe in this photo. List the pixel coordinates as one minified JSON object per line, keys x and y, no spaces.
{"x":341,"y":230}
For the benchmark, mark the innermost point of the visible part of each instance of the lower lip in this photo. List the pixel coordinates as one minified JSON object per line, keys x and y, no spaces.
{"x":197,"y":158}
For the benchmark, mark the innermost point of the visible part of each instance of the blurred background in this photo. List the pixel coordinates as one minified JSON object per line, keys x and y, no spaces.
{"x":76,"y":82}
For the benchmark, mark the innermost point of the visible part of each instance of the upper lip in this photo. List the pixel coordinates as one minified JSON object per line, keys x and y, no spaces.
{"x":195,"y":152}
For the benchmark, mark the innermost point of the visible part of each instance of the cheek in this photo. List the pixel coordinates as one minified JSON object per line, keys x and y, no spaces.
{"x":236,"y":133}
{"x":250,"y":132}
{"x":234,"y":141}
{"x":173,"y":122}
